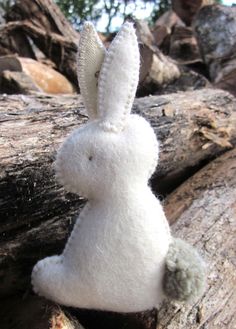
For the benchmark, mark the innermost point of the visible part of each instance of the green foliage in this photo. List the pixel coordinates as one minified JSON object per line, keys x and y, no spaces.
{"x":6,"y":4}
{"x":77,"y":11}
{"x":163,"y":6}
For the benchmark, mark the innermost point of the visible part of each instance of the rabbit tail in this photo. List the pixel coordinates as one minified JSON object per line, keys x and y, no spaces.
{"x":185,"y":273}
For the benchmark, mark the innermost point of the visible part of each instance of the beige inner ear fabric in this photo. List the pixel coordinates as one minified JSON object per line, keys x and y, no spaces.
{"x":91,"y":54}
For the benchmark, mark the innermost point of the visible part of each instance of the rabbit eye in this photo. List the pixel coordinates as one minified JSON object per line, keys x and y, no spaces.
{"x":90,"y":158}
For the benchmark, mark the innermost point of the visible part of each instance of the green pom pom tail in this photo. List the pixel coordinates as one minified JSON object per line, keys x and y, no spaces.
{"x":185,"y":272}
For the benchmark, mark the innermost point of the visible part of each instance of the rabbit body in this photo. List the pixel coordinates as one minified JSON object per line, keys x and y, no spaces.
{"x":115,"y":257}
{"x":118,"y":255}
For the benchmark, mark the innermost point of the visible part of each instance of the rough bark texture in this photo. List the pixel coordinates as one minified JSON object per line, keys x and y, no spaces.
{"x":17,"y":83}
{"x":215,"y":28}
{"x":20,"y":75}
{"x":205,"y":206}
{"x":192,"y":127}
{"x":32,"y":312}
{"x":32,"y":129}
{"x":169,"y":19}
{"x":183,"y":45}
{"x":159,"y":74}
{"x":43,"y":22}
{"x":163,"y":29}
{"x":37,"y":215}
{"x":13,"y":41}
{"x":187,"y":9}
{"x":156,"y":68}
{"x":44,"y":13}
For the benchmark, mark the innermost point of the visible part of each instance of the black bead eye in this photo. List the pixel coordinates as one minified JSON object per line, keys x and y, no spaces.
{"x":90,"y":158}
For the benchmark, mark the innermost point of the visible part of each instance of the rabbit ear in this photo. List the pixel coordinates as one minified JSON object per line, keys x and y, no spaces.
{"x":118,"y":79}
{"x":91,"y":53}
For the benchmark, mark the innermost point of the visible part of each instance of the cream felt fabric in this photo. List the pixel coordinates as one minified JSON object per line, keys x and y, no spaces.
{"x":89,"y":59}
{"x":115,"y":257}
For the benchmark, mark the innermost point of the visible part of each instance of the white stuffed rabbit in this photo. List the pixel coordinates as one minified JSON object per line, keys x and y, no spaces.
{"x":117,"y":255}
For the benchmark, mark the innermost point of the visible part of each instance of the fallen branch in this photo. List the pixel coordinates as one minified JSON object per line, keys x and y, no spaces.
{"x":203,"y":210}
{"x":215,"y":28}
{"x":156,"y":68}
{"x":56,"y":47}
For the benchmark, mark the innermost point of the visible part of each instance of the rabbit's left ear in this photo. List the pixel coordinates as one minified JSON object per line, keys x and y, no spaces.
{"x":118,"y":79}
{"x":91,"y":53}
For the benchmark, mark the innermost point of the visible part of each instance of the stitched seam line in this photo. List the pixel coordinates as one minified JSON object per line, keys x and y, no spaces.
{"x":109,"y":126}
{"x":87,"y":36}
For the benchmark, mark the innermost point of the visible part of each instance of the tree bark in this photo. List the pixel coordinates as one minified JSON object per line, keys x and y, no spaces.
{"x":37,"y":215}
{"x":17,"y":83}
{"x":187,"y":9}
{"x":20,"y":75}
{"x":14,"y":41}
{"x":163,"y":28}
{"x":203,"y":211}
{"x":215,"y":28}
{"x":32,"y":127}
{"x":42,"y":13}
{"x":156,"y":68}
{"x":192,"y":130}
{"x":205,"y":208}
{"x":183,"y":46}
{"x":43,"y":23}
{"x":32,"y":312}
{"x":159,"y":74}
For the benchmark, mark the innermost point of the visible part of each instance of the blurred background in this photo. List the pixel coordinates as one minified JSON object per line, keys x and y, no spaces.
{"x":108,"y":15}
{"x":178,"y":39}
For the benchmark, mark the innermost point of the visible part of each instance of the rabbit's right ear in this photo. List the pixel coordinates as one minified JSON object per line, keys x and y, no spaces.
{"x":91,"y":53}
{"x":118,"y":79}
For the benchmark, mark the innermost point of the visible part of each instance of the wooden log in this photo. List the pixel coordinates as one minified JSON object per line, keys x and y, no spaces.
{"x":169,"y":19}
{"x":17,"y":83}
{"x":215,"y":28}
{"x":190,"y":130}
{"x":183,"y":46}
{"x":187,"y":9}
{"x":35,"y":313}
{"x":189,"y":80}
{"x":37,"y":215}
{"x":43,"y":23}
{"x":156,"y":68}
{"x":227,"y":80}
{"x":163,"y":29}
{"x":203,"y":211}
{"x":24,"y":75}
{"x":57,"y":48}
{"x":14,"y":41}
{"x":205,"y":206}
{"x":42,"y":13}
{"x":159,"y":74}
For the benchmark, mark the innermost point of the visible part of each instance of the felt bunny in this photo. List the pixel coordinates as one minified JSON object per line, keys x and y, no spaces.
{"x":120,"y":256}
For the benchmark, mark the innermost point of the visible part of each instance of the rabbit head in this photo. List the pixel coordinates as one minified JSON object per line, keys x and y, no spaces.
{"x":114,"y":150}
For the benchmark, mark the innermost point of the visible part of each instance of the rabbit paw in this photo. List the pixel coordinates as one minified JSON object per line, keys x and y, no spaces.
{"x":46,"y":278}
{"x":184,"y":277}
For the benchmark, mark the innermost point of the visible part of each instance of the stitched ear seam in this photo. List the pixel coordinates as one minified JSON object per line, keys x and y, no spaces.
{"x":114,"y":116}
{"x":91,"y":53}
